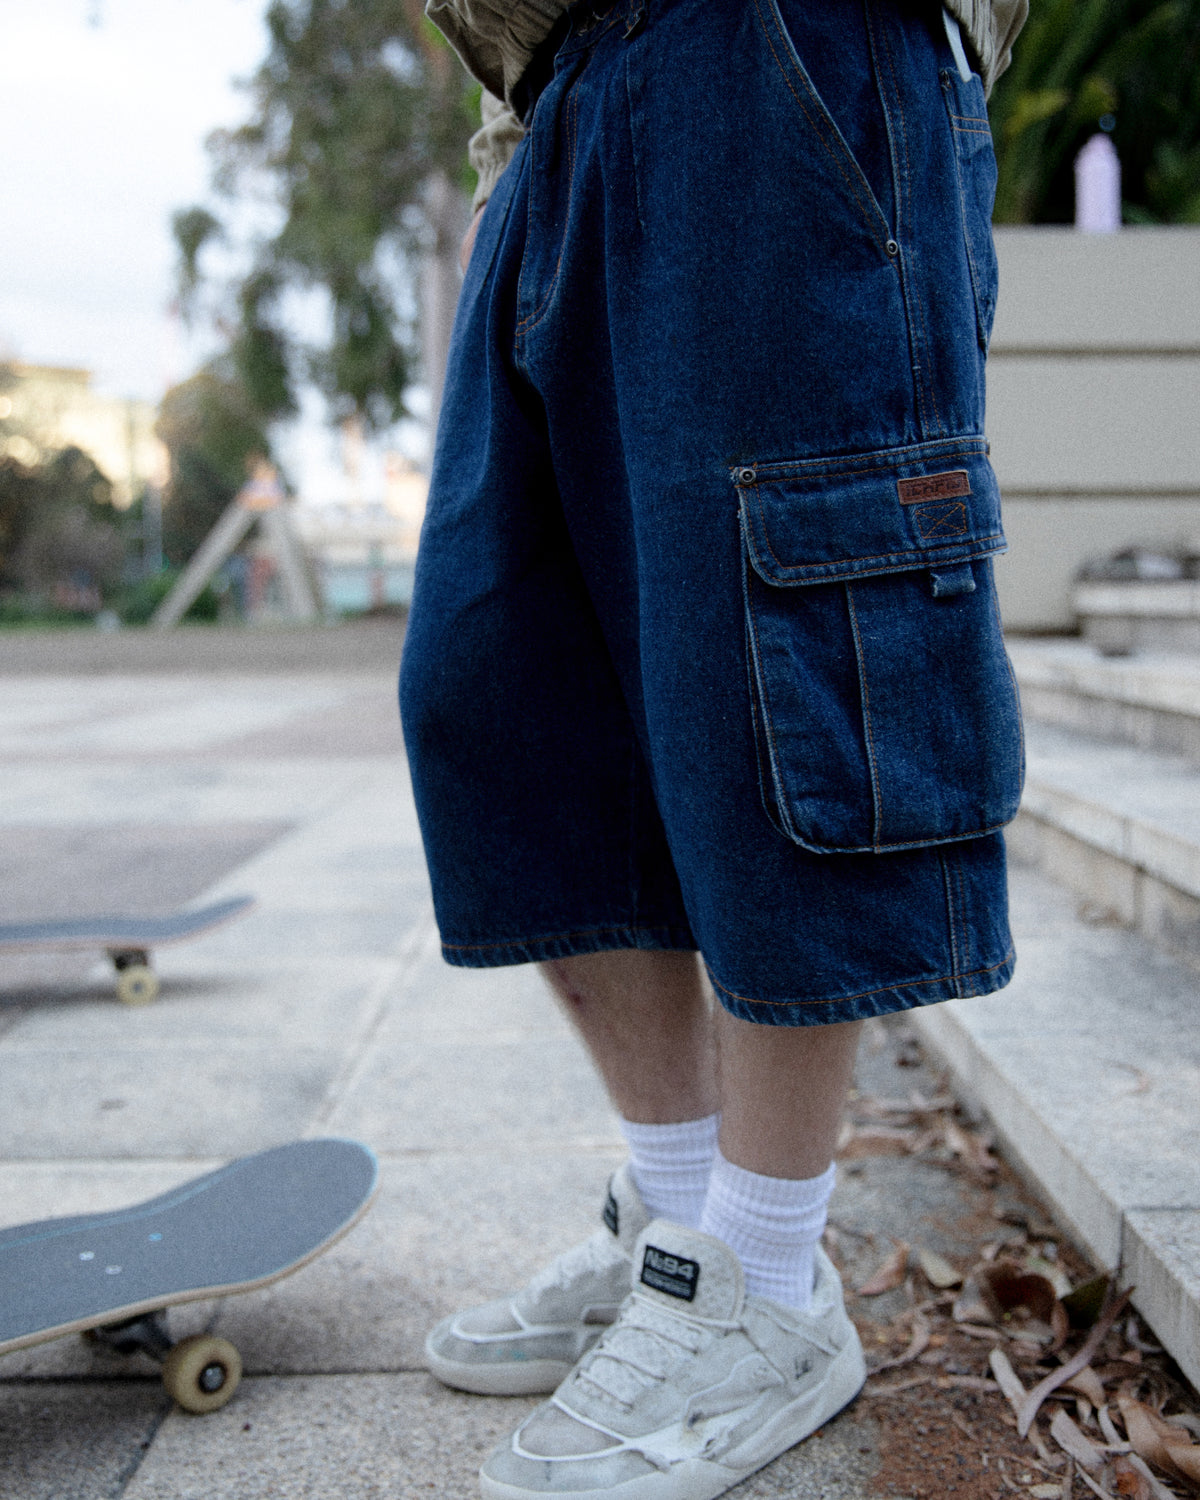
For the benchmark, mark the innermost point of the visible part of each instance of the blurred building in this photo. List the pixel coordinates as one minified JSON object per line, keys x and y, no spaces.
{"x":45,"y":408}
{"x":365,"y":550}
{"x":1093,"y":407}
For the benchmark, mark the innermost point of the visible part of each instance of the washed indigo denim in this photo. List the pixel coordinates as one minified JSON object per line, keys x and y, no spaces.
{"x":704,"y":649}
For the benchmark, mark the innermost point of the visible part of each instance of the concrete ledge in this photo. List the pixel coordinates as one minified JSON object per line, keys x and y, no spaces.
{"x":1072,"y":670}
{"x":1120,"y":618}
{"x":1120,"y":827}
{"x":360,"y":645}
{"x":1150,"y":701}
{"x":1108,"y":1143}
{"x":1162,"y":1258}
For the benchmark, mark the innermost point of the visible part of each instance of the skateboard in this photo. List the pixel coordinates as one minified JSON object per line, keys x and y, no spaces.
{"x":126,"y":939}
{"x":111,"y":1276}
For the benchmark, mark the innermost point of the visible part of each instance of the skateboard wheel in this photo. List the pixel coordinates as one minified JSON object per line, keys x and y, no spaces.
{"x":202,"y":1373}
{"x":137,"y":985}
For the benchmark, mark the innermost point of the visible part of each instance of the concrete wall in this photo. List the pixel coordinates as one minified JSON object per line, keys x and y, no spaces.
{"x":1093,"y":404}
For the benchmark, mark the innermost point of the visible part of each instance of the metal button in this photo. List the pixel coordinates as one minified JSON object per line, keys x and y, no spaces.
{"x":892,"y":248}
{"x":746,"y":476}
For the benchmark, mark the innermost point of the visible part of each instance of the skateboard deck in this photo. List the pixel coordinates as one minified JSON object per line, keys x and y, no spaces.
{"x":241,"y":1227}
{"x":126,"y":938}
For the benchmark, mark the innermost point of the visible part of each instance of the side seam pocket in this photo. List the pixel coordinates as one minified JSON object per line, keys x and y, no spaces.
{"x":975,"y":160}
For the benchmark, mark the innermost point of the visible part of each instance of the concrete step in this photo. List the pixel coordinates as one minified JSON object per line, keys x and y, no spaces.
{"x":1119,"y":827}
{"x":1088,"y":1066}
{"x":1149,"y":700}
{"x":1139,"y":615}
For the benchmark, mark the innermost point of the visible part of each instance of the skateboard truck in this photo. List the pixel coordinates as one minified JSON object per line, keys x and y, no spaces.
{"x":137,"y":983}
{"x":200,"y":1373}
{"x":127,"y":939}
{"x":242,"y":1227}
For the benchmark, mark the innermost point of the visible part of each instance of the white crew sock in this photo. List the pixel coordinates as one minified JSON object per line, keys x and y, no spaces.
{"x":670,"y":1165}
{"x":773,"y":1224}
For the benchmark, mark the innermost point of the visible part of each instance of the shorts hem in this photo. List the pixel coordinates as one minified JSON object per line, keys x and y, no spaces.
{"x":828,"y":1010}
{"x":534,"y":950}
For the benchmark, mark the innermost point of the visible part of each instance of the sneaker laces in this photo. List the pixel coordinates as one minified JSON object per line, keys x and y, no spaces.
{"x":593,"y":1257}
{"x":642,"y":1349}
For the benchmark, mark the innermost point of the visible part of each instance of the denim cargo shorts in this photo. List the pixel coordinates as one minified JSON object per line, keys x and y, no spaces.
{"x":704,"y":650}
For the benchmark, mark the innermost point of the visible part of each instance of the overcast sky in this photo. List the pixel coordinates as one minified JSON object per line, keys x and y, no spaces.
{"x":104,"y":107}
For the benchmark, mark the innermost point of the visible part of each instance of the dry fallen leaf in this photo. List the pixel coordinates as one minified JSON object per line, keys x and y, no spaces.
{"x":1072,"y":1367}
{"x":1087,"y":1383}
{"x":1016,"y":1293}
{"x":971,"y":1306}
{"x":1129,"y":1482}
{"x":1095,"y":1486}
{"x":1076,"y":1443}
{"x":1142,"y":1080}
{"x":1111,"y":1436}
{"x":1086,"y":1302}
{"x":1007,"y":1379}
{"x":1134,"y":1337}
{"x":1133,"y":1466}
{"x":1153,"y":1439}
{"x":1052,"y":1271}
{"x":938,"y":1270}
{"x":875,"y":1140}
{"x":890,"y":1274}
{"x":917,"y":1345}
{"x":973,"y":1150}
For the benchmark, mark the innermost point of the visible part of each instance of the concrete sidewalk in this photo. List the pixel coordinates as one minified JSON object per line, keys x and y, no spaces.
{"x":326,"y":1011}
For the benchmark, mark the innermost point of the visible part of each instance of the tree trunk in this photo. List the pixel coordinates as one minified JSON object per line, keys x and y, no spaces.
{"x":448,"y":213}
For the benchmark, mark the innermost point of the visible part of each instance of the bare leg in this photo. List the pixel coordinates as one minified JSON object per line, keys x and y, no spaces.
{"x":782,"y":1092}
{"x":646,"y":1018}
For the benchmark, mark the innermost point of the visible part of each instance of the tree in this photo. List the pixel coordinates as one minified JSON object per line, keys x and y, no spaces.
{"x":60,"y":539}
{"x":357,"y":107}
{"x":1128,"y":66}
{"x":212,"y":431}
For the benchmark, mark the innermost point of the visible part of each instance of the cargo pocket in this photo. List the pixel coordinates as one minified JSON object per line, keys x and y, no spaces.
{"x":885,"y":709}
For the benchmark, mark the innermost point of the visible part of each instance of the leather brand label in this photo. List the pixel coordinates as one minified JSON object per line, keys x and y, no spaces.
{"x":672,"y":1274}
{"x":934,"y":487}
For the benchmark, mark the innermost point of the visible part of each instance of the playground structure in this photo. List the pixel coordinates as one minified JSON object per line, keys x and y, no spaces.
{"x":261,"y":500}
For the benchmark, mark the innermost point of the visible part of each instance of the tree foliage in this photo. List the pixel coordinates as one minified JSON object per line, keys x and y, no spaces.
{"x":1131,"y":66}
{"x":212,"y":431}
{"x":59,"y":534}
{"x":357,"y":104}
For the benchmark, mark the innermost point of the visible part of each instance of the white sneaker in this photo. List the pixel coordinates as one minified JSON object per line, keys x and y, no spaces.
{"x":526,"y":1344}
{"x":694,"y":1386}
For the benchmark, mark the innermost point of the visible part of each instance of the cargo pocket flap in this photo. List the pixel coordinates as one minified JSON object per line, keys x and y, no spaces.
{"x":824,"y":520}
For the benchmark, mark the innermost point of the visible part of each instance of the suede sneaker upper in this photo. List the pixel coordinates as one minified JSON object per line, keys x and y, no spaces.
{"x":694,"y":1386}
{"x":527,"y":1343}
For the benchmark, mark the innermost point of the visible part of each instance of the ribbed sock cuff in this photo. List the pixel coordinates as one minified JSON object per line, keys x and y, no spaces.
{"x":774,"y":1224}
{"x":671,"y":1165}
